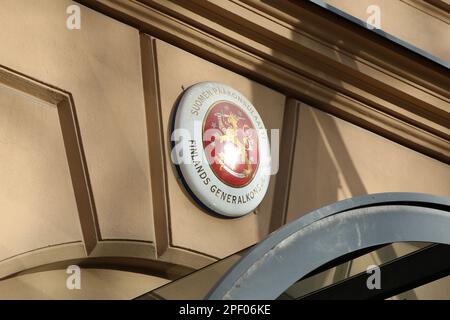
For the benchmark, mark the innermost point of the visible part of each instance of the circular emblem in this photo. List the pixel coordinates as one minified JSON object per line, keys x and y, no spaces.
{"x":221,"y":149}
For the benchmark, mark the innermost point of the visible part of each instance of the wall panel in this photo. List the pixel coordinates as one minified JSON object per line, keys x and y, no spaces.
{"x":189,"y":226}
{"x":335,"y":160}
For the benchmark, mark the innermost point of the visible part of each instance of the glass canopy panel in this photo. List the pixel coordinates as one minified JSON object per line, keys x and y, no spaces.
{"x":198,"y":284}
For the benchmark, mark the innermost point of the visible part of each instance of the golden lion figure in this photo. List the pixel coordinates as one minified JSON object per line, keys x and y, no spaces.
{"x":230,"y":134}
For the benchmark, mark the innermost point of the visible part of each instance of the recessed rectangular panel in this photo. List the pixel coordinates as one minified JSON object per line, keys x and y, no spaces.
{"x":37,"y":202}
{"x":336,"y":160}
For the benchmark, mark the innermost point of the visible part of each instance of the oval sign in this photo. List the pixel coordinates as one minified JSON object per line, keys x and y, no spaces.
{"x":221,"y":149}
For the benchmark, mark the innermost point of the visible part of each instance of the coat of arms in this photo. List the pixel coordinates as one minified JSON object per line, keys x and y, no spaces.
{"x":234,"y":156}
{"x":220,"y":149}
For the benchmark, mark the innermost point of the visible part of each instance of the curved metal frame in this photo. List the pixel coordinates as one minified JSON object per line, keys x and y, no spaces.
{"x":328,"y":233}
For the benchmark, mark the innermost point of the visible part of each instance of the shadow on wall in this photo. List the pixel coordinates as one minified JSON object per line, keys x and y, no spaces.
{"x":322,"y":170}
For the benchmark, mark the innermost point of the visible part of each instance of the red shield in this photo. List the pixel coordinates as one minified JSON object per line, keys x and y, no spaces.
{"x":231,"y":144}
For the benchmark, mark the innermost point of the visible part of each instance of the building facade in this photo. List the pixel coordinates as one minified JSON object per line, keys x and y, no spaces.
{"x":88,"y":91}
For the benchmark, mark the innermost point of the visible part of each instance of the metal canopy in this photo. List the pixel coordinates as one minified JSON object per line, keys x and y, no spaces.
{"x":326,"y":234}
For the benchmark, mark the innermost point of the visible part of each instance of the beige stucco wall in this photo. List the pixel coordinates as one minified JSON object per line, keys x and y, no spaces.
{"x":100,"y":67}
{"x":95,"y":284}
{"x":190,"y":226}
{"x":436,"y":290}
